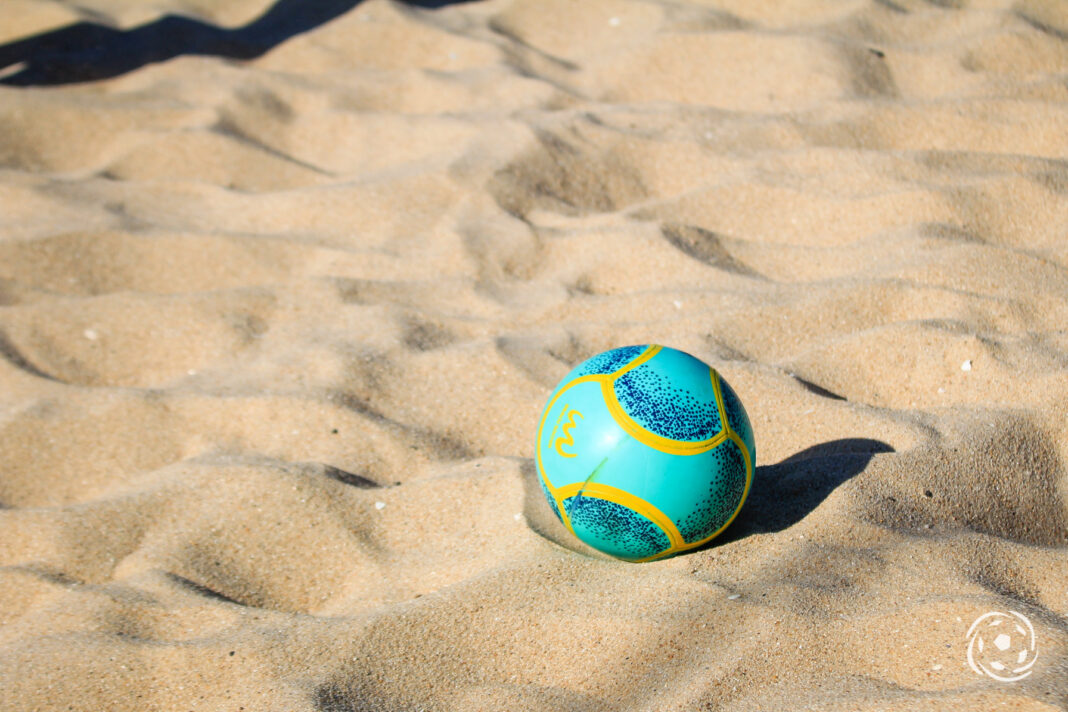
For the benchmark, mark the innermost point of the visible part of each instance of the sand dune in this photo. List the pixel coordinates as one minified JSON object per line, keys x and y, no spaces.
{"x":275,"y":335}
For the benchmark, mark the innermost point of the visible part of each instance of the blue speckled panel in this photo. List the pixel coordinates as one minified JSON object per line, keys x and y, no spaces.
{"x":609,"y":361}
{"x":737,"y":417}
{"x":715,"y":506}
{"x":615,"y":529}
{"x":671,"y":410}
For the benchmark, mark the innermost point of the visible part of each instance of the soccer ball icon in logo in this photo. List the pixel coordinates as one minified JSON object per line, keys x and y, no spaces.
{"x":644,"y":452}
{"x":1002,"y":646}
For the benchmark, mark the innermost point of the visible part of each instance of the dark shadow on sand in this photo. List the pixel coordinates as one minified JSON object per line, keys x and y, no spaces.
{"x":89,"y":51}
{"x":783,"y":494}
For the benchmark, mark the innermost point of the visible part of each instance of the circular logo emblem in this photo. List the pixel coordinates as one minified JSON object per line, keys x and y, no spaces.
{"x":1002,"y":646}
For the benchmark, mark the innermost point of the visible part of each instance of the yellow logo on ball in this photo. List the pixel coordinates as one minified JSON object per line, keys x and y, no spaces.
{"x":567,"y":438}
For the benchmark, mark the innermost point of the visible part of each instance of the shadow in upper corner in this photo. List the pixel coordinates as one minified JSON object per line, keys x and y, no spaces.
{"x":89,"y":51}
{"x":783,"y":494}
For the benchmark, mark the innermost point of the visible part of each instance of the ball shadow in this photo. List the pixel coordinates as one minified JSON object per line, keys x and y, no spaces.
{"x":785,"y":493}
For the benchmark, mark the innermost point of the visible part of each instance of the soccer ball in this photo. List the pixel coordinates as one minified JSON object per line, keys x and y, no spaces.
{"x":1002,"y":646}
{"x":644,"y":452}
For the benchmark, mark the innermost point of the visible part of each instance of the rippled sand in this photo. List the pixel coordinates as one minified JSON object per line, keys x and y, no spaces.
{"x":276,"y":334}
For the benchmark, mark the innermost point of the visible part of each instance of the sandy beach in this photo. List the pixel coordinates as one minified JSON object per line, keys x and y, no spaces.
{"x":284,"y":289}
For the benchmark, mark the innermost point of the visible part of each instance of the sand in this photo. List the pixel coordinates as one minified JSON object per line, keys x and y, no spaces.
{"x":276,"y":332}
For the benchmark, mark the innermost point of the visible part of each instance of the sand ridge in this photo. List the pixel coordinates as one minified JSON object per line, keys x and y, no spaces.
{"x":275,"y":335}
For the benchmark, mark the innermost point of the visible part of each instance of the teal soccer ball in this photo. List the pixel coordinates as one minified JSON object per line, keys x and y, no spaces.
{"x":644,"y":452}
